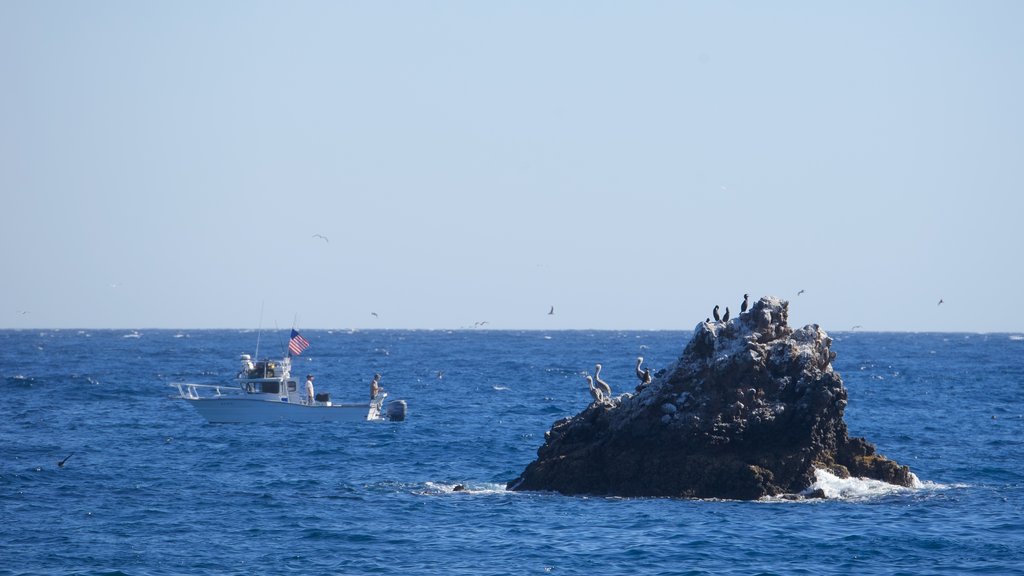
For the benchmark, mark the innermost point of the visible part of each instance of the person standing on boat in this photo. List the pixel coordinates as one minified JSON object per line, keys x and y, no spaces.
{"x":374,"y":386}
{"x":309,"y":389}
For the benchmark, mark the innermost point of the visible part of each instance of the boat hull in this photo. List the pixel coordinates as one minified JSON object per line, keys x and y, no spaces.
{"x":243,"y":410}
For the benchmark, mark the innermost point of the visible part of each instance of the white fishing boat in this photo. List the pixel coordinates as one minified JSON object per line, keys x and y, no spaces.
{"x":265,"y":391}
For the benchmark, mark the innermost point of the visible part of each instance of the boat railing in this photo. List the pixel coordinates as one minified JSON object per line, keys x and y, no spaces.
{"x":190,"y":391}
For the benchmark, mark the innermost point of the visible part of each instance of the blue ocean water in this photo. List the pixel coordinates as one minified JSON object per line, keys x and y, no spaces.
{"x":152,"y":488}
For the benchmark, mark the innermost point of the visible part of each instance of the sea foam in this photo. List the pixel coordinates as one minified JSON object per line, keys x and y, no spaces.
{"x":858,"y":488}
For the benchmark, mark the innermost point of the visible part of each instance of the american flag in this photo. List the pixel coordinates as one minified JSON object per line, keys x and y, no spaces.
{"x":297,"y":344}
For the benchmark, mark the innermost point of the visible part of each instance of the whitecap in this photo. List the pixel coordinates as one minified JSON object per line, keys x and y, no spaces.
{"x":438,"y":488}
{"x":500,"y":388}
{"x":856,"y":488}
{"x":1016,"y":337}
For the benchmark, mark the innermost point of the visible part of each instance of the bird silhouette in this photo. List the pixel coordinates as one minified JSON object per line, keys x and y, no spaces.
{"x":552,"y":311}
{"x":61,"y":463}
{"x":940,"y":302}
{"x":374,"y":314}
{"x":322,"y":237}
{"x":800,"y":292}
{"x":743,"y":307}
{"x":726,"y":317}
{"x":718,"y":318}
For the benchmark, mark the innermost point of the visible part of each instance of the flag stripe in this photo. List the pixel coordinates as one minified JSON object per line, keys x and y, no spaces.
{"x":297,"y":344}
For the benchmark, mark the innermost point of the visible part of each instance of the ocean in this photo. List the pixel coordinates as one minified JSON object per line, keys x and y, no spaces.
{"x":151,"y":488}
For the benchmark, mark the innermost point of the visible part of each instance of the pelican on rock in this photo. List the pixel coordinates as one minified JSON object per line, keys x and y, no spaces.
{"x":645,"y":374}
{"x":593,"y":389}
{"x":601,"y":384}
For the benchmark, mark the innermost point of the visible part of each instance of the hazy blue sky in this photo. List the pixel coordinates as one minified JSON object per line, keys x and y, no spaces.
{"x":166,"y":164}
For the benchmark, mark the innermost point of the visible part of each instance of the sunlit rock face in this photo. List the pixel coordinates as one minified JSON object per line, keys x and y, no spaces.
{"x":750,"y":409}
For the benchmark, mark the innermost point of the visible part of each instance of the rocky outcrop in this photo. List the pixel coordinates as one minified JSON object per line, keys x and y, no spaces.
{"x":750,"y":409}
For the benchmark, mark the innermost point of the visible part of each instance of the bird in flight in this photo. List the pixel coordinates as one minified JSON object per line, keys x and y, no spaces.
{"x":322,"y":237}
{"x":374,"y":314}
{"x":856,"y":327}
{"x":61,"y":463}
{"x":800,"y":292}
{"x":552,"y":311}
{"x":940,"y":302}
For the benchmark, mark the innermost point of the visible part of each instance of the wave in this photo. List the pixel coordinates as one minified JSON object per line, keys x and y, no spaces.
{"x":438,"y":488}
{"x":1016,"y":337}
{"x":858,"y":489}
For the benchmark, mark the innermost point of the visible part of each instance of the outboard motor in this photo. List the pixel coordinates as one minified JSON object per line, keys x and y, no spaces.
{"x":396,"y":410}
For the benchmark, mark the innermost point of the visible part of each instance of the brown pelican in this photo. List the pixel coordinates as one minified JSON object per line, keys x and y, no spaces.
{"x":645,"y":374}
{"x":605,"y":388}
{"x":715,"y":314}
{"x":726,"y":317}
{"x":593,"y":389}
{"x":743,"y":307}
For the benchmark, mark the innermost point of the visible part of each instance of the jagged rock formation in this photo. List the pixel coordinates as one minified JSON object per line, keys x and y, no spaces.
{"x":750,"y":409}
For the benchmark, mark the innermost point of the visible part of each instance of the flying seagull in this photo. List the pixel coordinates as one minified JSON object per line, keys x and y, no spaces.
{"x":61,"y":463}
{"x":322,"y":237}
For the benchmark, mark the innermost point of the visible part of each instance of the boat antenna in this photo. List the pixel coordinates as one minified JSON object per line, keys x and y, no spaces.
{"x":277,"y":330}
{"x":259,"y":331}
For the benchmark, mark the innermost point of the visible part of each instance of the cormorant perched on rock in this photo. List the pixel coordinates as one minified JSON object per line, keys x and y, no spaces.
{"x":604,"y":387}
{"x":715,"y":314}
{"x":726,"y":317}
{"x":593,"y":389}
{"x":746,"y":303}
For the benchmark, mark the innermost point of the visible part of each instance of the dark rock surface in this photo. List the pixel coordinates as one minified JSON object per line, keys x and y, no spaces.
{"x":750,"y":409}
